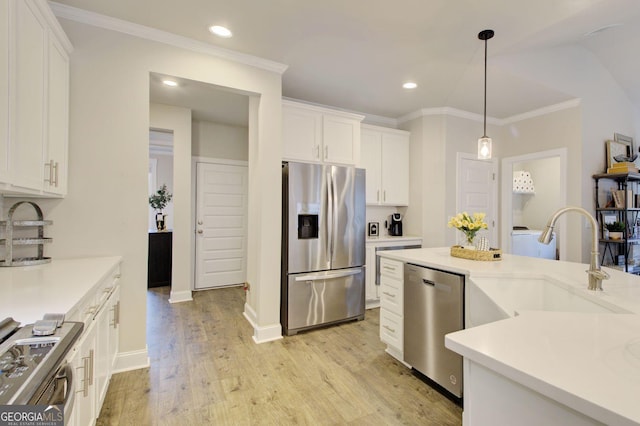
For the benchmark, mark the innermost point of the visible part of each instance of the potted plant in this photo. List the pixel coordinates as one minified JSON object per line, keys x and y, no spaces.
{"x":615,"y":229}
{"x":159,"y":201}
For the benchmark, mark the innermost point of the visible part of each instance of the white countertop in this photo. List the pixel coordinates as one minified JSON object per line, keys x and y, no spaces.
{"x":587,"y":361}
{"x":28,"y":292}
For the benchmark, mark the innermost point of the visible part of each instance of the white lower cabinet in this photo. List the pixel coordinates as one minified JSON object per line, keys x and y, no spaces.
{"x":93,"y":356}
{"x":392,"y":306}
{"x":84,"y":408}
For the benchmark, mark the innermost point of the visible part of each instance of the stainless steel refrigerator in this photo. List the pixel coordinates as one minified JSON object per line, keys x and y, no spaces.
{"x":323,"y":238}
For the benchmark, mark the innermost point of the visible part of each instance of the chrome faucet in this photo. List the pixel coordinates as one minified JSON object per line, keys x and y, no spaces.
{"x":596,"y":275}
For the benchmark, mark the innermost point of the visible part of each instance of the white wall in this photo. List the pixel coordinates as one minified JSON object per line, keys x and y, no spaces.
{"x":178,"y":121}
{"x":215,"y":140}
{"x":105,"y":211}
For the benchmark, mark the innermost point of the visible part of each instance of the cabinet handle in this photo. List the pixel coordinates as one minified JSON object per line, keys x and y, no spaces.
{"x":55,"y":174}
{"x":116,"y":315}
{"x":107,"y":290}
{"x":200,"y":231}
{"x":92,"y":310}
{"x":389,"y":268}
{"x":326,"y":152}
{"x":91,"y":361}
{"x":384,"y":195}
{"x":393,"y":330}
{"x":117,"y":276}
{"x":50,"y":165}
{"x":389,"y":294}
{"x":318,"y":152}
{"x":85,"y":379}
{"x":378,"y":195}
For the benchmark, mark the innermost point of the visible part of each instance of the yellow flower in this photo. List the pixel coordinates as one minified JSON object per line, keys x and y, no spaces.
{"x":468,"y":224}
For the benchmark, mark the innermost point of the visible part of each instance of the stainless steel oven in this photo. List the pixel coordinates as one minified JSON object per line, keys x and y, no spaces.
{"x":33,"y":370}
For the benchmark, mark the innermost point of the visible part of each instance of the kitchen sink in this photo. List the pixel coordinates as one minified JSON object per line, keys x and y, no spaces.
{"x":494,"y":298}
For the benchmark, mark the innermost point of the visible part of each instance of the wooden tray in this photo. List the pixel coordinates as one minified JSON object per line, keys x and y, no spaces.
{"x":491,"y":255}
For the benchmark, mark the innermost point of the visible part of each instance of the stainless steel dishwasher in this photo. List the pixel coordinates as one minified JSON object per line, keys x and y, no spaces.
{"x":433,"y":307}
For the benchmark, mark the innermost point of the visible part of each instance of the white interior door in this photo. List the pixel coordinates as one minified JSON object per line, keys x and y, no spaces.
{"x":477,"y":192}
{"x":221,"y":225}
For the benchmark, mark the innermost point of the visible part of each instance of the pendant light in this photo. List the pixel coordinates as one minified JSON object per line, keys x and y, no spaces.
{"x":484,"y":143}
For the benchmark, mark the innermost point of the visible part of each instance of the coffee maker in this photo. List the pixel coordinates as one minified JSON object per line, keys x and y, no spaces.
{"x":394,"y":225}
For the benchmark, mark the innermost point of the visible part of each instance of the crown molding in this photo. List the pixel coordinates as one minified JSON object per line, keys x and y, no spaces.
{"x":491,"y":120}
{"x":542,"y":111}
{"x":148,"y":33}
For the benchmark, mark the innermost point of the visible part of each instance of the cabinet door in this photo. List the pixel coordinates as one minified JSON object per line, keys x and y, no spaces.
{"x":85,"y":404}
{"x":371,"y":160}
{"x":27,"y":160}
{"x":58,"y":120}
{"x":101,"y":354}
{"x":395,"y":170}
{"x":301,"y":134}
{"x":341,"y":138}
{"x":114,"y":328}
{"x":4,"y":91}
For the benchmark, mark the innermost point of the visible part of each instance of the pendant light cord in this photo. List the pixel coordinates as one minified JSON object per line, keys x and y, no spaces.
{"x":485,"y":89}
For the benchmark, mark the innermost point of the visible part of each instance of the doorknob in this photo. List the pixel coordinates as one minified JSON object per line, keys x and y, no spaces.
{"x":199,"y":231}
{"x":200,"y":222}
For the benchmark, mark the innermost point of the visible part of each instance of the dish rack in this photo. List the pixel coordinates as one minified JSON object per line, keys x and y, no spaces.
{"x":39,"y":240}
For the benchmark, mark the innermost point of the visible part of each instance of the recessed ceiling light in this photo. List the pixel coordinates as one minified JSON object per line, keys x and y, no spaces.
{"x":220,"y":31}
{"x":410,"y":85}
{"x":169,"y":83}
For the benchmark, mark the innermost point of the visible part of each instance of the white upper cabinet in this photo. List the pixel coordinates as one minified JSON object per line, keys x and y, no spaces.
{"x":315,"y":134}
{"x":58,"y":120}
{"x":34,"y":117}
{"x":384,"y":153}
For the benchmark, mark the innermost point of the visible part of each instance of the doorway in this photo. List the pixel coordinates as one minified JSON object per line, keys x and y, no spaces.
{"x":207,"y":121}
{"x":533,"y":209}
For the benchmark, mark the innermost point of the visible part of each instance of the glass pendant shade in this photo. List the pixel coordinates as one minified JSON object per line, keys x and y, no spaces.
{"x":484,"y":148}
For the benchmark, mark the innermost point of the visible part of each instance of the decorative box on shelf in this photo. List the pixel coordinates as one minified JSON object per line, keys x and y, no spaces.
{"x":484,"y":255}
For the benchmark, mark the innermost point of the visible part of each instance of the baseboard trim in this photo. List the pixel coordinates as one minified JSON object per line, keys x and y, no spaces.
{"x":261,"y":334}
{"x":180,"y":296}
{"x":132,"y":360}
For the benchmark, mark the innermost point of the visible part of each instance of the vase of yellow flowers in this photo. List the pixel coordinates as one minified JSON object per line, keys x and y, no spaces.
{"x":469,"y":225}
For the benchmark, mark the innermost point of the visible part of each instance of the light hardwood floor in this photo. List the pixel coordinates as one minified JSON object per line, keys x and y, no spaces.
{"x":206,"y":369}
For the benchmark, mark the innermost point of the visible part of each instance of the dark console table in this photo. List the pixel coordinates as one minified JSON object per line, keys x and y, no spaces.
{"x":159,"y":270}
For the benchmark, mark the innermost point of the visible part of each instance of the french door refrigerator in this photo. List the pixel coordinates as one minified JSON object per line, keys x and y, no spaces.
{"x":323,"y":245}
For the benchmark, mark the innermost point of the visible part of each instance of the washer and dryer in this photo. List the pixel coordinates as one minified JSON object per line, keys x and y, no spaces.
{"x":524,"y":242}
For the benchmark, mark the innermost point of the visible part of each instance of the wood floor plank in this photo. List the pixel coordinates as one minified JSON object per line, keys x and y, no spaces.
{"x":206,"y":369}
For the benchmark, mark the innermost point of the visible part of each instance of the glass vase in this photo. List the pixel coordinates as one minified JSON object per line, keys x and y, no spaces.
{"x":467,"y":241}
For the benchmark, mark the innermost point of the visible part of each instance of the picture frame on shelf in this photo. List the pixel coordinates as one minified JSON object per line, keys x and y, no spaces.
{"x":624,"y":139}
{"x":615,"y":148}
{"x":608,"y":218}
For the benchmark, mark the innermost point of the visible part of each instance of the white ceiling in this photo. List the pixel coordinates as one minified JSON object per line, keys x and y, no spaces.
{"x":355,"y":54}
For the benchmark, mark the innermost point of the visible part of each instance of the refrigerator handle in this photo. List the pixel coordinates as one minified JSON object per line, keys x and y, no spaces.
{"x":329,"y":275}
{"x":334,"y":219}
{"x":330,"y":209}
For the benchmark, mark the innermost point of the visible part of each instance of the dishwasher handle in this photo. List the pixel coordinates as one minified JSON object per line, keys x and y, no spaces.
{"x":428,"y":282}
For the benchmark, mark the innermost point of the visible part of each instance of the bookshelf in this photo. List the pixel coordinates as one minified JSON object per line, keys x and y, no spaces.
{"x":617,"y":198}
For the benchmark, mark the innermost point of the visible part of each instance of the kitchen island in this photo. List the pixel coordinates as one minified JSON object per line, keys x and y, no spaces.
{"x":539,"y":348}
